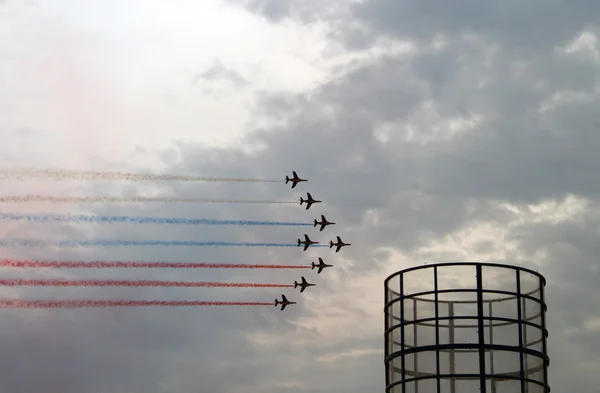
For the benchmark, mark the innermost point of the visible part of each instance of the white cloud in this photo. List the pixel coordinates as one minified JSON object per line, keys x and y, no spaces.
{"x":88,"y":79}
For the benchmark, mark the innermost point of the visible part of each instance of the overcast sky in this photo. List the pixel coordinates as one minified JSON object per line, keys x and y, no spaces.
{"x":432,"y":132}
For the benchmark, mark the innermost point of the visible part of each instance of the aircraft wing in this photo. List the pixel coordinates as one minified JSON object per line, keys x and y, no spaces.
{"x":294,"y":184}
{"x":322,"y":227}
{"x":302,"y":290}
{"x":283,"y":305}
{"x":338,"y":248}
{"x":306,"y":237}
{"x":310,"y":198}
{"x":295,"y":174}
{"x":306,"y":246}
{"x":304,"y":280}
{"x":320,"y":269}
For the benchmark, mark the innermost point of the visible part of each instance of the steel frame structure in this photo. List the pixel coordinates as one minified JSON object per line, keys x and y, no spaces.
{"x":497,"y":344}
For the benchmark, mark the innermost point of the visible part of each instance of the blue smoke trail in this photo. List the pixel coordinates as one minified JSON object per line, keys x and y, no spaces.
{"x":137,"y":220}
{"x":109,"y":243}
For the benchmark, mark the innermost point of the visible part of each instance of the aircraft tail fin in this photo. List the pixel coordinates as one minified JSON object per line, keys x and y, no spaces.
{"x":287,"y":180}
{"x":299,"y":242}
{"x":315,"y":223}
{"x":302,"y":200}
{"x":313,"y":266}
{"x":295,"y":284}
{"x":330,"y":244}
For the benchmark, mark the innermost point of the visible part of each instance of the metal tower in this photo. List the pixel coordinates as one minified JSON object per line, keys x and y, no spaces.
{"x":466,"y":327}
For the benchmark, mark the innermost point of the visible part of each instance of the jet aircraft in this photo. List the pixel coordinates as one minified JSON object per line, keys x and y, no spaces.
{"x":309,"y":200}
{"x":323,"y":223}
{"x":321,"y":265}
{"x":295,"y":179}
{"x":304,"y":284}
{"x":307,"y":242}
{"x":284,"y":302}
{"x":339,"y":244}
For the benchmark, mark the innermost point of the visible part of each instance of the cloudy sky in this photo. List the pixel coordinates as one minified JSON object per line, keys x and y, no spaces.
{"x":432,"y":132}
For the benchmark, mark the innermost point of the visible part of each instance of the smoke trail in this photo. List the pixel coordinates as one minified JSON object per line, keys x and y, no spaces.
{"x":10,"y":303}
{"x":14,"y":282}
{"x":61,"y":174}
{"x":137,"y":264}
{"x":107,"y":199}
{"x":152,"y":243}
{"x":139,"y":220}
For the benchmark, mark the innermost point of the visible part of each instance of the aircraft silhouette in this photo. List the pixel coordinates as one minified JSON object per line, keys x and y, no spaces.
{"x":284,"y":302}
{"x":304,"y":284}
{"x":323,"y":223}
{"x":321,"y":265}
{"x":339,"y":244}
{"x":309,"y":200}
{"x":307,"y":242}
{"x":295,"y":179}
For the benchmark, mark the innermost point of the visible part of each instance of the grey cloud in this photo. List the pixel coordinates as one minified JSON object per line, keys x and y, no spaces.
{"x":535,"y":26}
{"x":307,"y":11}
{"x":83,"y":351}
{"x":219,"y":71}
{"x":503,"y":73}
{"x":570,"y":292}
{"x":274,"y":10}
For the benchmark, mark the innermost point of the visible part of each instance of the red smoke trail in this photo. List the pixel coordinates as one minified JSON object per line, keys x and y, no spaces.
{"x":6,"y":303}
{"x":12,"y":282}
{"x":134,"y":264}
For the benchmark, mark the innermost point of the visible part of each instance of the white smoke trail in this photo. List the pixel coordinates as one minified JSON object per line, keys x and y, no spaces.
{"x":106,"y":199}
{"x":60,"y":174}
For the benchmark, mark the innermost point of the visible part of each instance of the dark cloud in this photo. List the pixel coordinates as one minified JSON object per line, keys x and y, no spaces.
{"x":532,"y":139}
{"x":531,"y":26}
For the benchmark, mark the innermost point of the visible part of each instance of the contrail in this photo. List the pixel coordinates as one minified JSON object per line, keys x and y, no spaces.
{"x":8,"y":303}
{"x":138,"y":264}
{"x":139,"y":220}
{"x":61,"y":174}
{"x":154,"y":243}
{"x":15,"y":282}
{"x":107,"y":199}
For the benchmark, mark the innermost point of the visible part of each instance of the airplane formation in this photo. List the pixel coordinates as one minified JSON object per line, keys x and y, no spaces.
{"x":307,"y":242}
